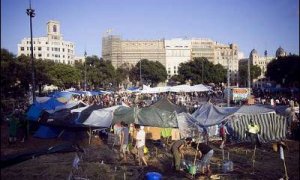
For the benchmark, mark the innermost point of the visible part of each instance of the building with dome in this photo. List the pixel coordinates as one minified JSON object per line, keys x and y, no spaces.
{"x":280,"y":52}
{"x":260,"y":61}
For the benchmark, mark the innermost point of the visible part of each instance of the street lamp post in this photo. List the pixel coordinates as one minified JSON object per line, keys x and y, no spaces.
{"x":141,"y":71}
{"x":30,"y":12}
{"x":249,"y":81}
{"x":202,"y":70}
{"x":85,"y":70}
{"x":228,"y":84}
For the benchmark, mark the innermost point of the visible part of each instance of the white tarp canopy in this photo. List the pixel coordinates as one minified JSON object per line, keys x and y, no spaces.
{"x":101,"y":117}
{"x":179,"y":88}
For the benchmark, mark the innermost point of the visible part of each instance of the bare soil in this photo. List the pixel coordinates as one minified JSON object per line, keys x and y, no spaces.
{"x":101,"y":161}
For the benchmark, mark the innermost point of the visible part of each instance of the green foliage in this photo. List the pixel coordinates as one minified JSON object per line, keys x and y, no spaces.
{"x":152,"y":72}
{"x":284,"y":70}
{"x":200,"y":70}
{"x":63,"y":75}
{"x":99,"y":73}
{"x":122,"y":74}
{"x":255,"y":72}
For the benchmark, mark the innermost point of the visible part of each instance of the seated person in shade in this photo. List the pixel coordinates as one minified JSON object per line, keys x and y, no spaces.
{"x":205,"y":154}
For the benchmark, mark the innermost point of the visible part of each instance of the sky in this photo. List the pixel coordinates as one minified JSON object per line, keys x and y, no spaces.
{"x":251,"y":24}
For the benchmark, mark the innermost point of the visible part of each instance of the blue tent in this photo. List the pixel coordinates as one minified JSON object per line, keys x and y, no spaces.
{"x":46,"y":132}
{"x":36,"y":109}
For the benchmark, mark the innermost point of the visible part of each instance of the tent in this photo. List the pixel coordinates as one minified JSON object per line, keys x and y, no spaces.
{"x":126,"y":114}
{"x":188,"y":127}
{"x":273,"y":126}
{"x":152,"y":116}
{"x":101,"y":117}
{"x":165,"y":104}
{"x":208,"y":114}
{"x":86,"y":112}
{"x":36,"y":109}
{"x":47,"y":132}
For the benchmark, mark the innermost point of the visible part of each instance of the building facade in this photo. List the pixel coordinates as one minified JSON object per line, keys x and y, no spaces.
{"x":170,"y":53}
{"x":217,"y":53}
{"x":177,"y":51}
{"x":51,"y":47}
{"x":120,"y":51}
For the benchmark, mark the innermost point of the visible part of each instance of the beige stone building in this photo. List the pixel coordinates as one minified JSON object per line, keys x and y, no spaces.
{"x":51,"y":47}
{"x":217,"y":53}
{"x":170,"y":52}
{"x":120,"y":51}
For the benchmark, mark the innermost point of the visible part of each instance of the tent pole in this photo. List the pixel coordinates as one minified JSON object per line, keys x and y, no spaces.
{"x":90,"y":135}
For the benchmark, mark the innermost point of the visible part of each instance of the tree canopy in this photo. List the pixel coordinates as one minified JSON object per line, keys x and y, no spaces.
{"x":255,"y":72}
{"x":151,"y":72}
{"x":200,"y":70}
{"x":285,"y":70}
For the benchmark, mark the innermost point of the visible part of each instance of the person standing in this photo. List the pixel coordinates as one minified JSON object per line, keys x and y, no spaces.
{"x":253,"y":130}
{"x":13,"y":127}
{"x":177,"y":151}
{"x":140,"y":144}
{"x":124,"y":138}
{"x":205,"y":154}
{"x":223,"y":134}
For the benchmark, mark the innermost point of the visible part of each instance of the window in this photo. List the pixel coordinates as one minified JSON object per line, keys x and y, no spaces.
{"x":22,"y":48}
{"x":47,"y":55}
{"x":39,"y":48}
{"x":27,"y":48}
{"x":39,"y":55}
{"x":54,"y":28}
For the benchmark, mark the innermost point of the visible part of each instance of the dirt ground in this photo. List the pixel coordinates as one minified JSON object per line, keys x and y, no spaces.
{"x":101,"y":161}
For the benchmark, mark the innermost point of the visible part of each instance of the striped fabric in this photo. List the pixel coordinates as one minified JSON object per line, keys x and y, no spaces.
{"x":272,"y":127}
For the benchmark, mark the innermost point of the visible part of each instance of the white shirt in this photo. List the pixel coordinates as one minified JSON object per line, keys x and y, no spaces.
{"x":140,"y":138}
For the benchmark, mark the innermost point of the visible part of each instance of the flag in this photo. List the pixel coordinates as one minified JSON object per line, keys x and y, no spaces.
{"x":281,"y":153}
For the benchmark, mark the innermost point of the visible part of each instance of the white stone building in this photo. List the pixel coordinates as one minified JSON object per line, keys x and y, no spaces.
{"x":51,"y":47}
{"x":177,"y":51}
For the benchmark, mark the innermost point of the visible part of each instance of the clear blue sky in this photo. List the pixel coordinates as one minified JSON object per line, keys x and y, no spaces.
{"x":260,"y":24}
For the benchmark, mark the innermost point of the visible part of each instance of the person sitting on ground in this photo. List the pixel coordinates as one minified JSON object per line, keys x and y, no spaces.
{"x":177,"y":151}
{"x":205,"y":154}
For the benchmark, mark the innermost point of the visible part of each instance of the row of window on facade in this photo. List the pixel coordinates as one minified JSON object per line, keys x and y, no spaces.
{"x":53,"y":49}
{"x":57,"y":43}
{"x":48,"y":55}
{"x":177,"y":46}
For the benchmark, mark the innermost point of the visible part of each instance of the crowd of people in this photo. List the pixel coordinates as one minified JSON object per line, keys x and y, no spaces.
{"x":131,"y":136}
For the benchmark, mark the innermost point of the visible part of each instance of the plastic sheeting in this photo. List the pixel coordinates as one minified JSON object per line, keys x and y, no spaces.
{"x":101,"y":117}
{"x":155,"y":117}
{"x":208,"y":114}
{"x":188,"y":126}
{"x":165,"y":104}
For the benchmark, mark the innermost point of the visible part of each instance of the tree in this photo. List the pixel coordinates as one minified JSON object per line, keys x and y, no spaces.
{"x":63,"y":75}
{"x":200,"y":70}
{"x":122,"y":75}
{"x":8,"y":71}
{"x":255,"y":72}
{"x":99,"y":73}
{"x":152,"y":72}
{"x":284,"y":70}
